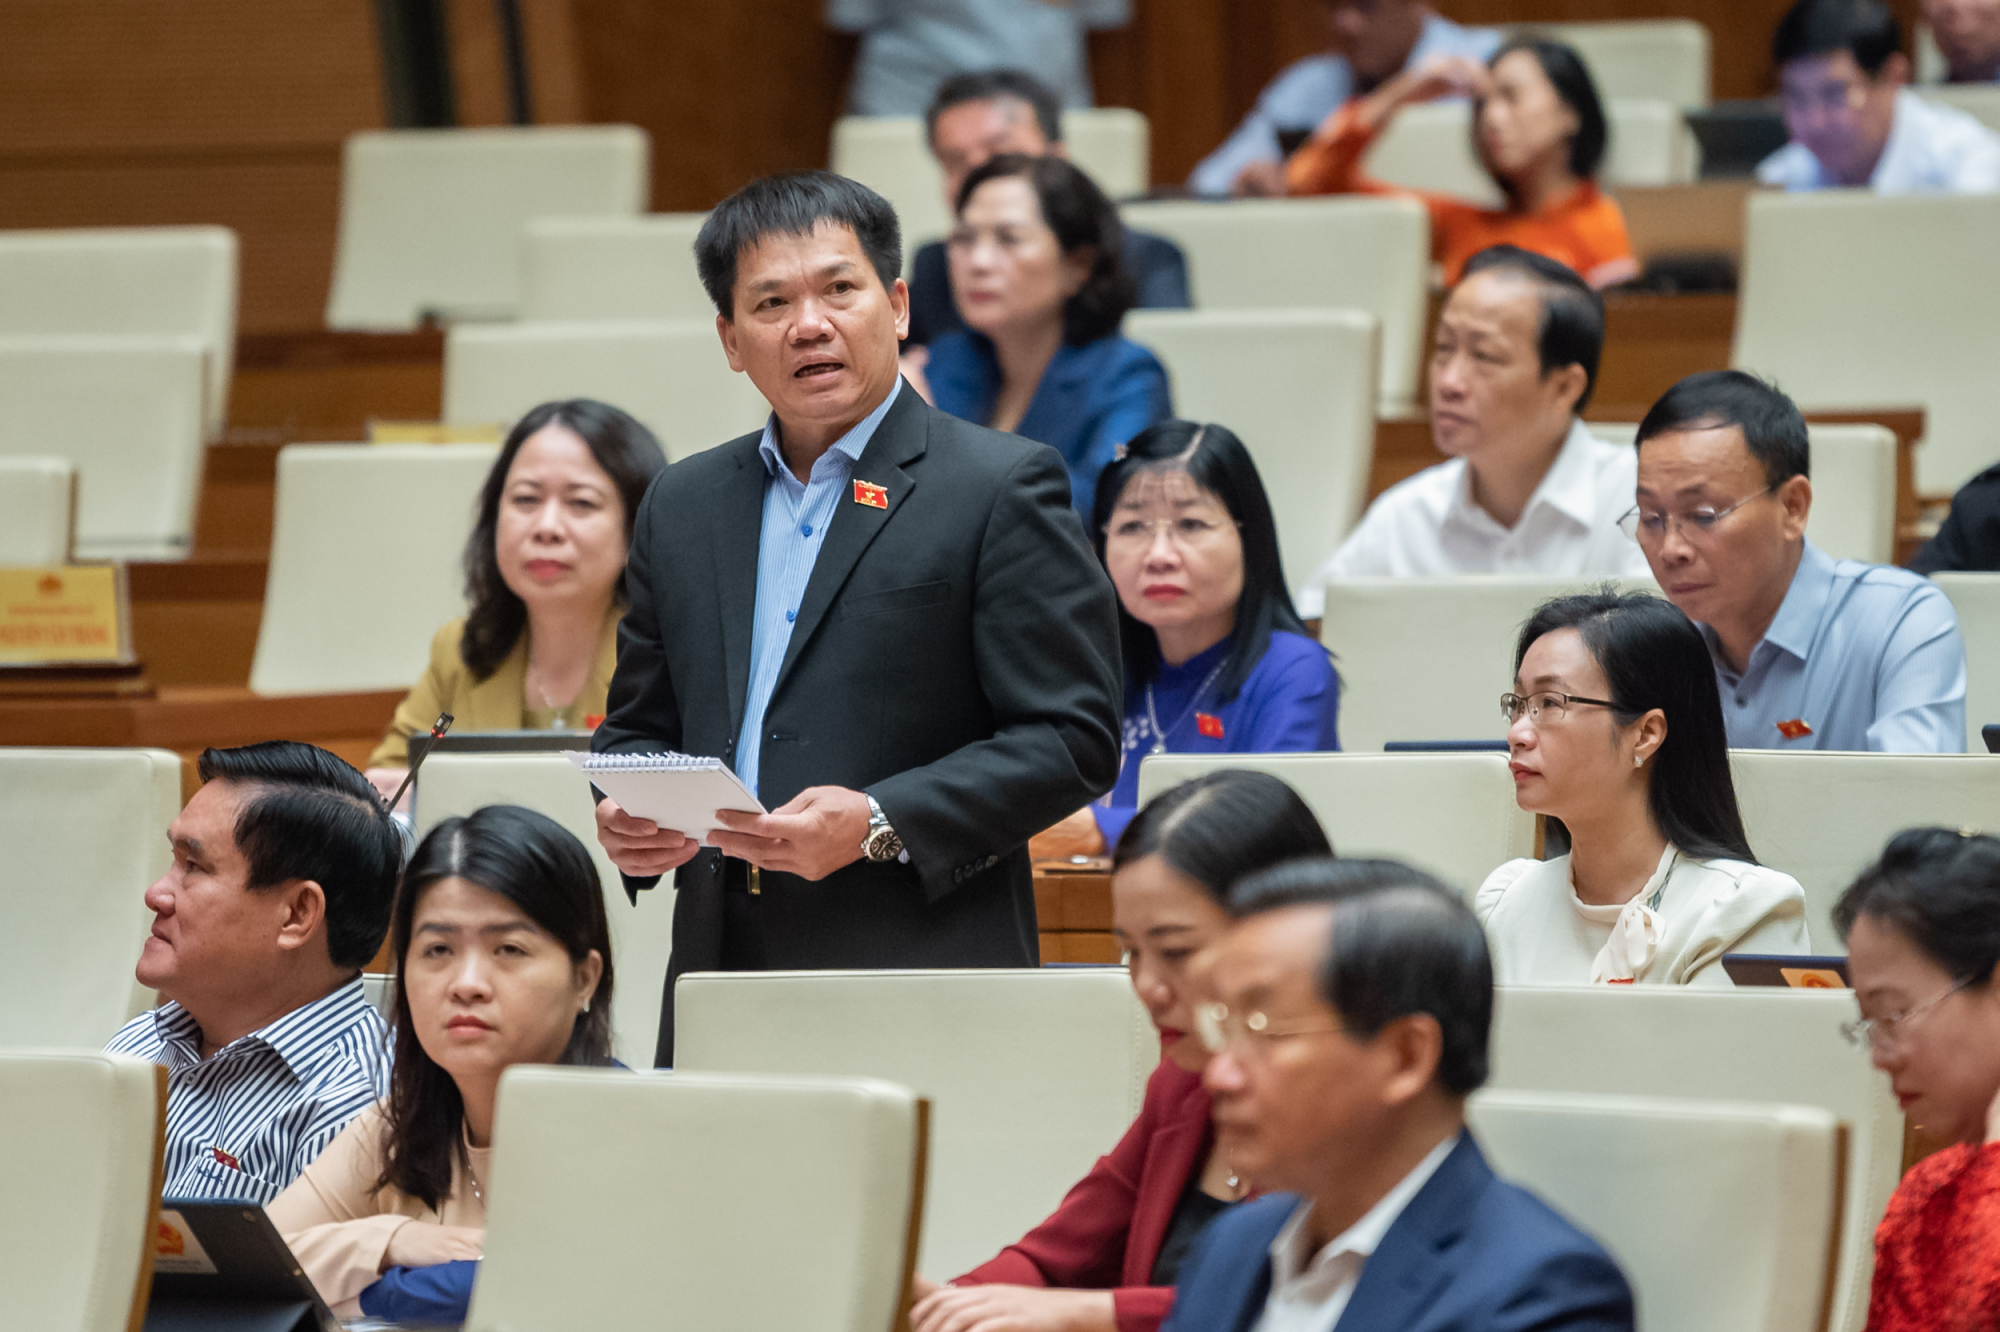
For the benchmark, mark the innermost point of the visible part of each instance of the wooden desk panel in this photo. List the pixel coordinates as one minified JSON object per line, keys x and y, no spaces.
{"x":195,"y":621}
{"x":1073,"y":913}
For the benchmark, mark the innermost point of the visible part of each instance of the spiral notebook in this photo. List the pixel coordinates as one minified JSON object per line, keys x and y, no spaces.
{"x":677,"y":791}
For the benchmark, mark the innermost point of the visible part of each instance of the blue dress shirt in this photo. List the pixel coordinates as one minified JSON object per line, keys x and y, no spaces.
{"x":796,"y":515}
{"x":1091,"y":399}
{"x":1866,"y":655}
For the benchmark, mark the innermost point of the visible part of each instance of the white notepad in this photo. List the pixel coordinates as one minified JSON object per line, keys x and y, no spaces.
{"x":677,"y":791}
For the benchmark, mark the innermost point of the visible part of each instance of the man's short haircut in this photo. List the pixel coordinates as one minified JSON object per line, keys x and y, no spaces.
{"x":313,"y":816}
{"x":793,"y":203}
{"x":1572,"y":328}
{"x":1402,"y":944}
{"x":1770,"y":421}
{"x":991,"y":85}
{"x":1865,"y":29}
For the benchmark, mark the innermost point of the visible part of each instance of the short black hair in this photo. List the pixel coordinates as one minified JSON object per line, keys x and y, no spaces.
{"x":313,"y":816}
{"x":1216,"y":828}
{"x":1772,"y":426}
{"x":1572,"y":328}
{"x":1079,"y":214}
{"x":1940,"y":889}
{"x":794,"y":203}
{"x":1402,"y":943}
{"x":989,"y":85}
{"x":1865,"y":29}
{"x":1565,"y":70}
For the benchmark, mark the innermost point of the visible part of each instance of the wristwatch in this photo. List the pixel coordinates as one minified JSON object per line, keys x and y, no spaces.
{"x":881,"y":843}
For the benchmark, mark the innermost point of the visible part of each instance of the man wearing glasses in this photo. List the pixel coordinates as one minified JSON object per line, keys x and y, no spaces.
{"x":1810,"y":652}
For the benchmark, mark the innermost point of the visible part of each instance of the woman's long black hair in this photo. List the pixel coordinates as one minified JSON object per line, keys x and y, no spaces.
{"x":1221,"y":826}
{"x":1564,"y":69}
{"x":1214,"y":459}
{"x":1652,"y":656}
{"x":539,"y":866}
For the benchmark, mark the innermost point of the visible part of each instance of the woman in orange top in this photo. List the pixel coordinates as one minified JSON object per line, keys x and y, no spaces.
{"x":1539,"y":131}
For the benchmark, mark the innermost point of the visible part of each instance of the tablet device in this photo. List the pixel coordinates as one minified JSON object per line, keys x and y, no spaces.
{"x":1990,"y":733}
{"x":221,"y":1266}
{"x":1796,"y":970}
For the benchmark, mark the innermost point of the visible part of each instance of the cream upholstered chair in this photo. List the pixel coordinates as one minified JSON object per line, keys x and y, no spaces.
{"x":1919,"y":288}
{"x":1114,"y":144}
{"x":1824,"y":817}
{"x":366,"y":549}
{"x":145,"y":281}
{"x":1777,"y":1046}
{"x":613,"y":268}
{"x":1981,"y":101}
{"x":1976,"y":598}
{"x":82,"y":1187}
{"x":672,"y":375}
{"x":127,"y":411}
{"x":1666,"y":59}
{"x":1746,"y":1195}
{"x":85,"y":832}
{"x":1343,"y":253}
{"x":453,"y":784}
{"x":1429,"y":147}
{"x":1297,"y":387}
{"x":1451,"y":814}
{"x":37,"y":510}
{"x":430,"y":220}
{"x":703,"y":1201}
{"x":1428,"y":658}
{"x":1031,"y":1075}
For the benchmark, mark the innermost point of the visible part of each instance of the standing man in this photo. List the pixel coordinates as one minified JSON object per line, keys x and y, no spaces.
{"x":887,"y":620}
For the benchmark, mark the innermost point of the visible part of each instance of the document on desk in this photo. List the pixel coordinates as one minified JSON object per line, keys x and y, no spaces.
{"x":678,"y":791}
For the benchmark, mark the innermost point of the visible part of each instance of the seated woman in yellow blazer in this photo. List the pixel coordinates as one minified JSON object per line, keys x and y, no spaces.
{"x":543,"y":576}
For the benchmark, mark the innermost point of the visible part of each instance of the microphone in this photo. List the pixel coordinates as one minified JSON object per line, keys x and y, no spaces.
{"x":429,"y":742}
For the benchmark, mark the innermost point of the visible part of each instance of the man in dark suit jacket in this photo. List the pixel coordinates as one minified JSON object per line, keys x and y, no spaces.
{"x":976,"y":117}
{"x":1355,"y":999}
{"x":887,"y":620}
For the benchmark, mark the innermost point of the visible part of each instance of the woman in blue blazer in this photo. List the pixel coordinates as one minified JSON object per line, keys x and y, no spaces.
{"x":1037,"y":272}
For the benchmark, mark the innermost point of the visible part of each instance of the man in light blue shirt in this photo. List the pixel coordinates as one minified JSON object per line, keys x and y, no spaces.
{"x":1373,"y":40}
{"x":1810,"y":652}
{"x":909,"y":47}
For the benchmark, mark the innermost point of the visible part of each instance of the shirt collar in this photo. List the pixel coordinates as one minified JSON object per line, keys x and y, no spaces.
{"x":850,"y":444}
{"x":1569,"y":486}
{"x":1903,"y":132}
{"x":1289,"y":1260}
{"x":296,"y":1038}
{"x":1797,"y":621}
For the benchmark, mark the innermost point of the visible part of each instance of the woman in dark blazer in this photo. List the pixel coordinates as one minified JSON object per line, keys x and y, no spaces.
{"x":1107,"y":1259}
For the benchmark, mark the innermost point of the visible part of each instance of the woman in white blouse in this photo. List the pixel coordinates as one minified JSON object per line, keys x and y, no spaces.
{"x":1615,"y":728}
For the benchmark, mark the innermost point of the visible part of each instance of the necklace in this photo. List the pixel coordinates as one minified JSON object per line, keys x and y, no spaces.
{"x":1159,"y":735}
{"x":477,"y":1192}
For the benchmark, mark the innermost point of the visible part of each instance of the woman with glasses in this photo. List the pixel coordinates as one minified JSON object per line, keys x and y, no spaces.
{"x":1922,"y":926}
{"x":1615,"y":728}
{"x":1107,"y":1260}
{"x":1217,"y":660}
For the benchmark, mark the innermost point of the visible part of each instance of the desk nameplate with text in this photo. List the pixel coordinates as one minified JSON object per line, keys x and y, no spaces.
{"x":66,"y":616}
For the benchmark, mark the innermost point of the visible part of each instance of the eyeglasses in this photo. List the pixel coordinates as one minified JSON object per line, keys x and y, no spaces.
{"x":1557,"y":705}
{"x":1219,"y":1028}
{"x":1186,"y":532}
{"x":1886,"y":1030}
{"x":1649,"y":527}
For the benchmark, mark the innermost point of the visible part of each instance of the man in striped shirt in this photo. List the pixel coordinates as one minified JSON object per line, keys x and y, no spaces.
{"x":285,"y":866}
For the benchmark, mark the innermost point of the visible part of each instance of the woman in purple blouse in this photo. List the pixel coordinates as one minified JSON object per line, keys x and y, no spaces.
{"x":1217,"y":660}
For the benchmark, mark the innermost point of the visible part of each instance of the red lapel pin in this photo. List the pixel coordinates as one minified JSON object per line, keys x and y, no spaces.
{"x":1794,"y":728}
{"x":1208,"y":724}
{"x":870,"y":494}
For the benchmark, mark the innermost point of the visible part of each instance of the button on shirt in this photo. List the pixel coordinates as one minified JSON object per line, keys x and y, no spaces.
{"x":1310,"y":1291}
{"x":1932,"y":149}
{"x":244,"y":1122}
{"x":1867,"y":656}
{"x":796,"y":516}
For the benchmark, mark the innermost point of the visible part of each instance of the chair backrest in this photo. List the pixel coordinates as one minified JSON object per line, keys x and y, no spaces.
{"x":430,"y":220}
{"x":1976,"y":598}
{"x":37,"y":510}
{"x":703,"y":1201}
{"x":82,"y":1188}
{"x":1428,"y":658}
{"x":1771,"y":1046}
{"x":127,"y":280}
{"x":1824,"y":817}
{"x":366,"y":549}
{"x":1666,"y":59}
{"x":1344,"y":253}
{"x":1114,"y":145}
{"x":1451,"y":814}
{"x":1298,"y":388}
{"x":641,"y":937}
{"x":1918,"y":266}
{"x":1031,"y":1075}
{"x":1981,"y":101}
{"x":85,"y":830}
{"x":127,"y":411}
{"x":1746,"y":1194}
{"x":671,"y":375}
{"x":613,"y":268}
{"x":1429,"y":147}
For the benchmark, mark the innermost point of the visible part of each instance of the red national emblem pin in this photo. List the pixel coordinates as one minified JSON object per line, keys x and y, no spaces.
{"x":1794,"y":728}
{"x":870,"y":494}
{"x":226,"y":1159}
{"x":1208,"y":724}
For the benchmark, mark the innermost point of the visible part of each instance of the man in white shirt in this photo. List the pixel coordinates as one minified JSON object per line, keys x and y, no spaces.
{"x":1352,"y":1004}
{"x":1529,"y":489}
{"x":1854,"y":124}
{"x":1967,"y":33}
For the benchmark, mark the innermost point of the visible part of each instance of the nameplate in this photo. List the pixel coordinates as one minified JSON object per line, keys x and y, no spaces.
{"x":433,"y":432}
{"x":63,"y":616}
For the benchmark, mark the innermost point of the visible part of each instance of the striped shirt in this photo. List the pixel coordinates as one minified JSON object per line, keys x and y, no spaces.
{"x":244,"y":1122}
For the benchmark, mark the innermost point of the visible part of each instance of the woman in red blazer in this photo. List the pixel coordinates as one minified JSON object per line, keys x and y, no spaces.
{"x":1106,"y":1260}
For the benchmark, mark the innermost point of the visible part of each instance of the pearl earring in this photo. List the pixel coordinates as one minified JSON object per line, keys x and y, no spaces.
{"x":1638,"y":761}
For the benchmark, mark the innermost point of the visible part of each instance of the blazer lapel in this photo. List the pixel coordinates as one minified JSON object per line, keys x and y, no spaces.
{"x":1178,"y":1149}
{"x":1412,"y":1264}
{"x":738,"y":527}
